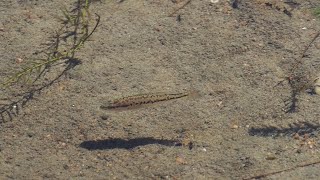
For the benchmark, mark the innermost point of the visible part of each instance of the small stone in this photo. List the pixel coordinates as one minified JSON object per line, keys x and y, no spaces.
{"x":180,"y":160}
{"x":214,"y":1}
{"x":104,"y":117}
{"x":271,"y":157}
{"x":317,"y":86}
{"x":296,"y":136}
{"x":30,"y":134}
{"x":19,"y":60}
{"x":234,"y":126}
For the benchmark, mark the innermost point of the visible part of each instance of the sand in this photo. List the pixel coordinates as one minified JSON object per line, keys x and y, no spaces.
{"x":239,"y":59}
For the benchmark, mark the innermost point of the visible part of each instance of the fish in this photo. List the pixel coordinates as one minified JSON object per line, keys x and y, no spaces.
{"x":144,"y":99}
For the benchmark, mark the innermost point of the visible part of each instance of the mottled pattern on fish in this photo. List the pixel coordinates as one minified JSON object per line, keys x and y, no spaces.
{"x":142,"y":99}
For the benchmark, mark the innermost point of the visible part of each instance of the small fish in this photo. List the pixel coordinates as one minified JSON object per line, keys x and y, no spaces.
{"x":142,"y":99}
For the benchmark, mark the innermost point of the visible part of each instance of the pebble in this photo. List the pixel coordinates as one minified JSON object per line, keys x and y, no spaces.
{"x":317,"y":86}
{"x":271,"y":157}
{"x":104,"y":117}
{"x":214,"y":1}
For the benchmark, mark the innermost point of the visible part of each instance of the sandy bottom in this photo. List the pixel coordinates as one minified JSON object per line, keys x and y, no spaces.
{"x":247,"y":121}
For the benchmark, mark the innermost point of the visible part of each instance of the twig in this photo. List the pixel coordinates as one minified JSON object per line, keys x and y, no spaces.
{"x":186,"y":3}
{"x":297,"y":82}
{"x":303,"y":54}
{"x":311,"y":42}
{"x":283,"y":170}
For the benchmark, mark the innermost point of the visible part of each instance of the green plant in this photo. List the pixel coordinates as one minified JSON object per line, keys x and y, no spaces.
{"x":74,"y":33}
{"x":316,"y":12}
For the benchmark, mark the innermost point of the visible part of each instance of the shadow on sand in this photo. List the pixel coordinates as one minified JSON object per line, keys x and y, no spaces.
{"x":12,"y":109}
{"x":299,"y":128}
{"x":125,"y":144}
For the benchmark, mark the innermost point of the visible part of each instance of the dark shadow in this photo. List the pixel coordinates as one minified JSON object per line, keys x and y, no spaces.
{"x":10,"y":110}
{"x":291,"y":104}
{"x":125,"y":144}
{"x":235,"y":4}
{"x":299,"y":128}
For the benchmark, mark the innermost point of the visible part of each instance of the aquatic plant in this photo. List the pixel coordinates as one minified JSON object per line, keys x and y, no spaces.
{"x":68,"y":40}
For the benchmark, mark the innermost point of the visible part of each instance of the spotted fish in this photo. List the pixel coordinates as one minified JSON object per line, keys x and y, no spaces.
{"x":143,"y":99}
